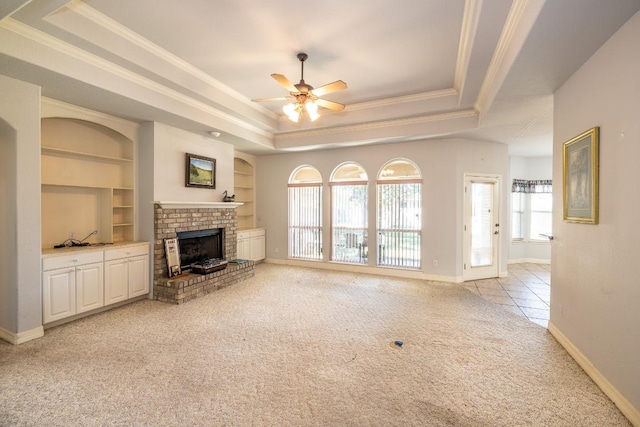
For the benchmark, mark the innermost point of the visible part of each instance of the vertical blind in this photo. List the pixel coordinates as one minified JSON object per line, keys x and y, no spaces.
{"x":305,"y":221}
{"x":349,"y":222}
{"x":399,"y":223}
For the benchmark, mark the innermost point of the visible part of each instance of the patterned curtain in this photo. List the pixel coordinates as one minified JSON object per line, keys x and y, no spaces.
{"x":531,"y":186}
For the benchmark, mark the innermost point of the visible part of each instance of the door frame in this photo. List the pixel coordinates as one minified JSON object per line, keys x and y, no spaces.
{"x":467,"y":272}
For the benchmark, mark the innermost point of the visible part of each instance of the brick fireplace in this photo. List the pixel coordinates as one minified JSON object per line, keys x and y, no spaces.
{"x":170,"y":218}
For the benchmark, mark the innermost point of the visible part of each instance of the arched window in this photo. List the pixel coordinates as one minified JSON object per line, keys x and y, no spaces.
{"x":399,"y":188}
{"x":348,"y":185}
{"x":305,"y":213}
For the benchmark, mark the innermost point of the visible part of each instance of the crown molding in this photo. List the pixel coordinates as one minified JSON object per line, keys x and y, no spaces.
{"x":90,"y":59}
{"x":470,"y":21}
{"x":124,"y":33}
{"x":381,"y":124}
{"x":522,"y":16}
{"x":386,"y":102}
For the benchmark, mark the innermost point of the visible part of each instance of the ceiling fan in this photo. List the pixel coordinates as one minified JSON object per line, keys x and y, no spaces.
{"x":304,"y":97}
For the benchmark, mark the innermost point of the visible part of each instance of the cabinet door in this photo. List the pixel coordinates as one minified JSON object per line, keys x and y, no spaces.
{"x":257,"y":248}
{"x":244,"y":248}
{"x":59,"y":294}
{"x":138,"y":276}
{"x":116,"y":281}
{"x":89,"y":287}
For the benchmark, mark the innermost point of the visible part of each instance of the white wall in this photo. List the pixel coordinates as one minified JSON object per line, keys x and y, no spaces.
{"x":531,"y":168}
{"x":442,"y":163}
{"x":595,"y":292}
{"x":170,"y":146}
{"x":20,"y":290}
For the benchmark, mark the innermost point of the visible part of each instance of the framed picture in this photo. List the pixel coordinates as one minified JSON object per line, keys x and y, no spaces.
{"x":580,"y":177}
{"x":172,"y":252}
{"x":200,"y":171}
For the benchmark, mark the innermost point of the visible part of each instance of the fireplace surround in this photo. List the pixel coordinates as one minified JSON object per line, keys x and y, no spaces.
{"x":171,"y":218}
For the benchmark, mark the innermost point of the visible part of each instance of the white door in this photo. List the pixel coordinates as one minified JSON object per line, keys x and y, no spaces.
{"x":481,"y":227}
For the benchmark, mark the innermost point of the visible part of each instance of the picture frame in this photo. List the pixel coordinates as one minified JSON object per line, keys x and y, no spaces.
{"x":200,"y":171}
{"x":580,"y":170}
{"x":172,"y":253}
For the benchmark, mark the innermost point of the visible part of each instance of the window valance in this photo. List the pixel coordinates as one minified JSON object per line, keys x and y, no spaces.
{"x":531,"y":186}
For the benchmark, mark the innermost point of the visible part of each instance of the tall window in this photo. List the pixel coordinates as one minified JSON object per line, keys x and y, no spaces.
{"x":531,"y":209}
{"x":540,"y":215}
{"x":399,"y":188}
{"x":305,"y":213}
{"x":348,"y":186}
{"x":517,"y":216}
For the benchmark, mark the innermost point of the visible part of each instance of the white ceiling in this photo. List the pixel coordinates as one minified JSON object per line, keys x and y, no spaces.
{"x":415,"y":69}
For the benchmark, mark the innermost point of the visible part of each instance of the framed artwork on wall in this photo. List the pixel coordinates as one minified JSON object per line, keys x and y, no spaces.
{"x":580,"y":177}
{"x":200,"y":171}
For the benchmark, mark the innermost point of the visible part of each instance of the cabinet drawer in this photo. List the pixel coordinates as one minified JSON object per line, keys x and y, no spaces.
{"x":126,"y":252}
{"x":244,"y":234}
{"x":71,"y":260}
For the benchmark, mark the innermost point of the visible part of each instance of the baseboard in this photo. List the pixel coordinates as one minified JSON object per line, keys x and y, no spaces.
{"x":629,"y":411}
{"x":390,"y":272}
{"x":21,"y":337}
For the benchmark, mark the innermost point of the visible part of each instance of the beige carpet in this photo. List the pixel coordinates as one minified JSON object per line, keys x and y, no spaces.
{"x":302,"y":347}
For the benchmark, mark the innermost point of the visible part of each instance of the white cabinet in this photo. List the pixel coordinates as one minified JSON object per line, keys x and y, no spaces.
{"x":126,"y":273}
{"x":59,"y":294}
{"x":116,"y":278}
{"x":81,"y":280}
{"x":89,"y":287}
{"x":251,"y":244}
{"x":72,"y":284}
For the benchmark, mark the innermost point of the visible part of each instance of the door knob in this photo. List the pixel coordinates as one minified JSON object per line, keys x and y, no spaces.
{"x":496,"y":232}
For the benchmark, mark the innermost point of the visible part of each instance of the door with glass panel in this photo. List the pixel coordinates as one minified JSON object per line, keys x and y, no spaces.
{"x":481,"y":229}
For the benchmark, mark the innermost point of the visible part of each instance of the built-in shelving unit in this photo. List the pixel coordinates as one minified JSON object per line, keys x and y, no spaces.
{"x":87,"y":173}
{"x":244,"y":191}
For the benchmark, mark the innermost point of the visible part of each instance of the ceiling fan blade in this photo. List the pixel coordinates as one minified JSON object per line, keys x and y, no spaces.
{"x":282,"y":98}
{"x":285,"y":82}
{"x":329,"y":104}
{"x":328,"y":88}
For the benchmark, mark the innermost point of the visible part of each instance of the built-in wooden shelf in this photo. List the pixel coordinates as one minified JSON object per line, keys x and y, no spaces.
{"x":70,"y":153}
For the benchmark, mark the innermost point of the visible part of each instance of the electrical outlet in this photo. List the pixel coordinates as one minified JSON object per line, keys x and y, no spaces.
{"x":71,"y":235}
{"x":276,"y":250}
{"x":435,"y":262}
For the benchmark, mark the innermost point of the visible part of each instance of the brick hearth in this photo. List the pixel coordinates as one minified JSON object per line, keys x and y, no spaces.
{"x":170,"y":221}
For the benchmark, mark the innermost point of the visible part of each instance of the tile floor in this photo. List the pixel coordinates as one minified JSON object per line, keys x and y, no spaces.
{"x":524,"y":292}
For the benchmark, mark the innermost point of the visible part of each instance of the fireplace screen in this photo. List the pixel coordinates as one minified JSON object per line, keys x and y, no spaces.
{"x":200,"y":246}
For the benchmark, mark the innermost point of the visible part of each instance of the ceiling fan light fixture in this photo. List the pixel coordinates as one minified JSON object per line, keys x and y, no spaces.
{"x":292,"y":110}
{"x":312,"y":110}
{"x":304,"y":96}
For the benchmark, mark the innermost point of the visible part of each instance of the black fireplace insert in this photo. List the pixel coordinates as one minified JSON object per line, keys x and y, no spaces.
{"x":200,"y":247}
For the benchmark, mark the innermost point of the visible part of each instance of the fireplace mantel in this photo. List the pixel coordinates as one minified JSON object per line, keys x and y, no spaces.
{"x":198,"y":205}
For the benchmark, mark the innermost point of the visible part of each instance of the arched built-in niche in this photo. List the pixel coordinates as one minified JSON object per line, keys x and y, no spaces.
{"x":87,"y":173}
{"x":244,"y":192}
